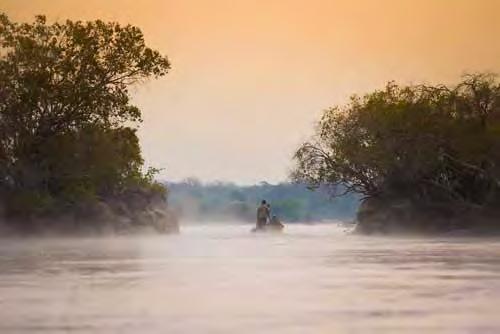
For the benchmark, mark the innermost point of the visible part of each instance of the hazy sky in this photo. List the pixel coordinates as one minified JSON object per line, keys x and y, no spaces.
{"x":250,"y":77}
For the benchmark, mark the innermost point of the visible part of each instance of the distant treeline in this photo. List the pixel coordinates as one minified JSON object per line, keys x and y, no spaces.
{"x":226,"y":201}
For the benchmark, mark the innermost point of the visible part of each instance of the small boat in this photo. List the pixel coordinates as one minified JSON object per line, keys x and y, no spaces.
{"x":275,"y":225}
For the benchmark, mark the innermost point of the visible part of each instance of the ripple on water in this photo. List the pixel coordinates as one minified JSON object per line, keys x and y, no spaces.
{"x":223,"y":279}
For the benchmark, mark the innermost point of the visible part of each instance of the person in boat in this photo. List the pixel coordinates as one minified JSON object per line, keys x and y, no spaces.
{"x":263,"y":214}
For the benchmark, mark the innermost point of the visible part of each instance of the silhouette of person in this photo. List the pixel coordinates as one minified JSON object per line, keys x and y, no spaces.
{"x":262,"y":214}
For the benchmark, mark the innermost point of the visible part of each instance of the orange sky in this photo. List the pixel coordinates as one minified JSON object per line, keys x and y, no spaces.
{"x":250,"y":77}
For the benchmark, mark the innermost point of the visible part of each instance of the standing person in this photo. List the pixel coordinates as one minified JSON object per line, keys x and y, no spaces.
{"x":262,"y":214}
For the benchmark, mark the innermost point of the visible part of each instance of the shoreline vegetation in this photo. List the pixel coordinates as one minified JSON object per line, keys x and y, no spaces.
{"x":222,"y":202}
{"x":70,"y":159}
{"x":425,"y":158}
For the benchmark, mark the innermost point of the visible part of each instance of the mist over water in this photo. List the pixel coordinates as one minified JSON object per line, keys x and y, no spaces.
{"x":223,"y":279}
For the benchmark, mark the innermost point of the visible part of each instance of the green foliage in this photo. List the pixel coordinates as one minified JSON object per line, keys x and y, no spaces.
{"x":148,"y":182}
{"x":425,"y":143}
{"x":65,"y":114}
{"x":226,"y":201}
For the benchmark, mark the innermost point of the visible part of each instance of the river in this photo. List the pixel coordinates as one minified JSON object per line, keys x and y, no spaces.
{"x":223,"y":279}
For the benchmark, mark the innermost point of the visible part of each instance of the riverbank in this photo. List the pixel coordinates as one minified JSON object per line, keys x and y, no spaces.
{"x":399,"y":216}
{"x":136,"y":212}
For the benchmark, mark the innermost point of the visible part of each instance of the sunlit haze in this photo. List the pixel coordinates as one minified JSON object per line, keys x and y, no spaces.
{"x":250,"y":77}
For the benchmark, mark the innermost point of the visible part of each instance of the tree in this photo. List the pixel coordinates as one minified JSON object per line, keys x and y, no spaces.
{"x":424,"y":143}
{"x":66,"y":122}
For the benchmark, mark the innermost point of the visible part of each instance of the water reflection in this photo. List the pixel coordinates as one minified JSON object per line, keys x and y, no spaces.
{"x":224,"y":280}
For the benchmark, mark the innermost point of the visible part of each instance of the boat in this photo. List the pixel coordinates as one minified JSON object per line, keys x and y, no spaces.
{"x":275,"y":225}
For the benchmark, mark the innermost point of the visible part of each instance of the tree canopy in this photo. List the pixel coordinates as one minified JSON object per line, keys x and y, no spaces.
{"x":67,"y":127}
{"x":430,"y":143}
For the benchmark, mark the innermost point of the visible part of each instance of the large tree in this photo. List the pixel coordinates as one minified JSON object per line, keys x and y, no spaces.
{"x":67,"y":127}
{"x":425,"y":143}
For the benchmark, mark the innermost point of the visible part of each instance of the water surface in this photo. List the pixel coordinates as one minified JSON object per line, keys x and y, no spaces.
{"x":223,"y":279}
